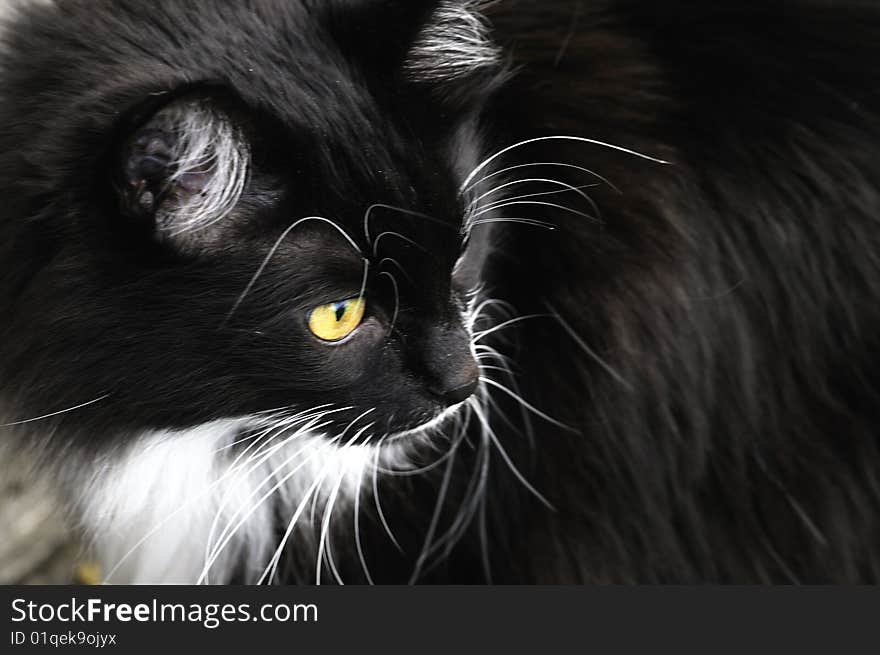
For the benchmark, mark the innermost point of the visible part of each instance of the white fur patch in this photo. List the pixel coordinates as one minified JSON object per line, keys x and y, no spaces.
{"x":156,"y":512}
{"x":455,"y":42}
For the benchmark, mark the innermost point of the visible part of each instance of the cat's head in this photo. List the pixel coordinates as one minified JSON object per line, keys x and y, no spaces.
{"x":242,"y":208}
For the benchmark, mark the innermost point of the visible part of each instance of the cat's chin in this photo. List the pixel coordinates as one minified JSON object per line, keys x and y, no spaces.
{"x":447,"y":418}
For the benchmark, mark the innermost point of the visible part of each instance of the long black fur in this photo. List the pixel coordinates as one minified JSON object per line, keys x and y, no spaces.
{"x":710,"y":338}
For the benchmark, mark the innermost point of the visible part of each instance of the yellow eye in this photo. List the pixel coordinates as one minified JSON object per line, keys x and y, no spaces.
{"x":336,"y":320}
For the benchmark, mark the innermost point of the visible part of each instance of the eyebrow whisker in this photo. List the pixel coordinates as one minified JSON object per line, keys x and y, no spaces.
{"x":274,"y":250}
{"x":396,"y":297}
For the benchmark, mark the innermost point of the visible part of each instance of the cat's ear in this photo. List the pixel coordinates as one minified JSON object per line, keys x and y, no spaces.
{"x":453,"y":43}
{"x":183,"y":169}
{"x":428,"y":40}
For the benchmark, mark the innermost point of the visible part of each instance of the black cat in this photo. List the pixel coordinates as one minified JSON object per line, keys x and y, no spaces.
{"x":528,"y":291}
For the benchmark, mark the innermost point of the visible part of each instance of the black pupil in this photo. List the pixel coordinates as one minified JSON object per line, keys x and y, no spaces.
{"x":340,"y":311}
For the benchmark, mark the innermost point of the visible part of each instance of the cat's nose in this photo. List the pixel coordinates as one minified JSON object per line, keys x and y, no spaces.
{"x":465,"y":384}
{"x":460,"y":378}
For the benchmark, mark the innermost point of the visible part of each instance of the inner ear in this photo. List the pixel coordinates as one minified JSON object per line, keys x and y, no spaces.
{"x":184,"y":169}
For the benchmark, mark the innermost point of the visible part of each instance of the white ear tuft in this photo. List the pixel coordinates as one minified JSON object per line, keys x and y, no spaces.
{"x":210,"y":163}
{"x":454,"y":43}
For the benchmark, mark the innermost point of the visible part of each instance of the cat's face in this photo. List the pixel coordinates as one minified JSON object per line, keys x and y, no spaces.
{"x":284,"y":231}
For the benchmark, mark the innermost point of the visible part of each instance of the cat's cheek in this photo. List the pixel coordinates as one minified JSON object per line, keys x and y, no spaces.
{"x":356,"y":356}
{"x":372,"y":332}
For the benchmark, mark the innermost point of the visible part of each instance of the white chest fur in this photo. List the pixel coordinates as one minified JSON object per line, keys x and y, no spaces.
{"x":184,"y":508}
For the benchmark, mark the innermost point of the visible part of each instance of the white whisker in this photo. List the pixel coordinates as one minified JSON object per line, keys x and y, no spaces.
{"x":274,"y":250}
{"x":396,"y":297}
{"x":357,"y":527}
{"x":230,"y":532}
{"x":533,"y":203}
{"x":534,"y":180}
{"x":401,"y":210}
{"x":377,"y":502}
{"x":184,"y":506}
{"x":515,"y":221}
{"x":510,"y":465}
{"x":399,"y":236}
{"x":272,"y":568}
{"x":524,"y":403}
{"x":53,"y":414}
{"x":546,"y":163}
{"x":262,"y":455}
{"x":527,"y":196}
{"x":579,"y":139}
{"x":328,"y":512}
{"x":435,"y":519}
{"x":399,"y":268}
{"x":478,"y":336}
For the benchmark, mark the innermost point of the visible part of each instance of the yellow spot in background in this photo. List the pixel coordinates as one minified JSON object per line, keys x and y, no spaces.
{"x":88,"y":573}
